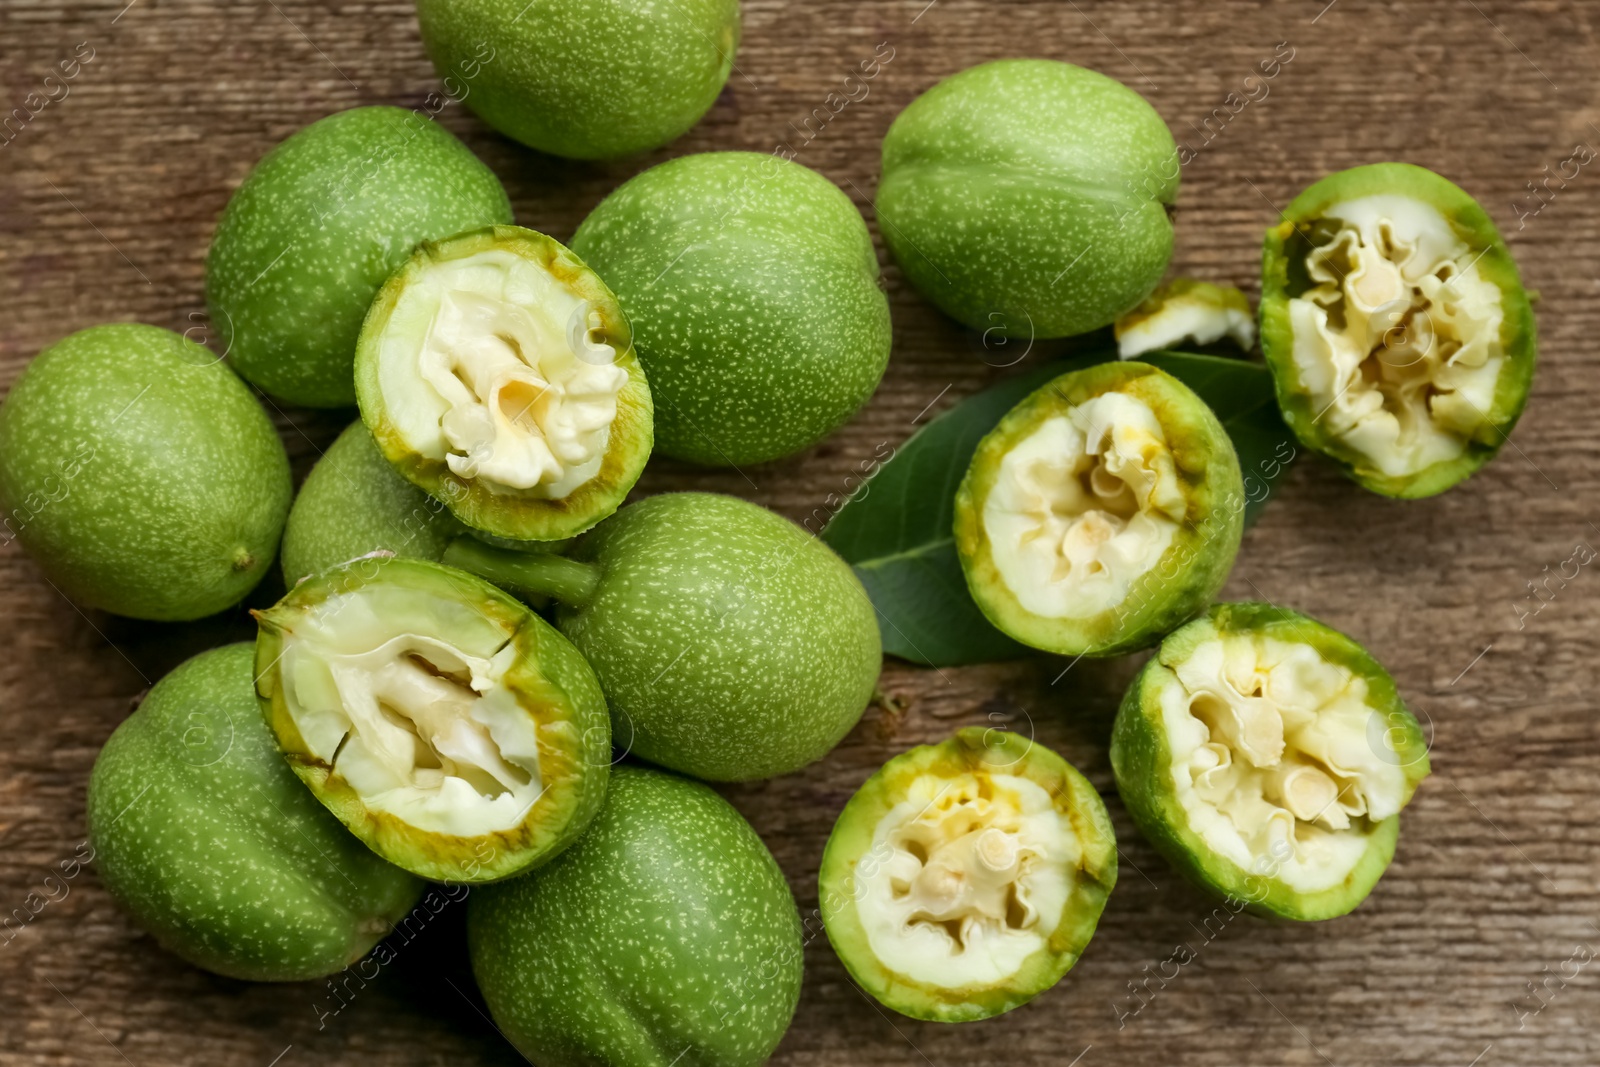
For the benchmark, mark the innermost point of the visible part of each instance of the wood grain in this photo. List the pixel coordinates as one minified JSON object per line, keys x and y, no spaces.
{"x":107,"y":202}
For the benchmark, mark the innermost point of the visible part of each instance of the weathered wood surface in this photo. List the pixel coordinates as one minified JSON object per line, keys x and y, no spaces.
{"x":108,"y":199}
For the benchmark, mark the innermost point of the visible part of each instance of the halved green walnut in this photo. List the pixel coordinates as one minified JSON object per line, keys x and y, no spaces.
{"x":1396,"y":328}
{"x":1268,"y":756}
{"x":1186,"y":311}
{"x":966,"y":878}
{"x":496,"y":371}
{"x":1103,"y":510}
{"x":446,"y":725}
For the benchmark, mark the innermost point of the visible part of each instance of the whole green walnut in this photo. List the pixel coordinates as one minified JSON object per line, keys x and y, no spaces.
{"x":585,"y":79}
{"x":352,"y":503}
{"x":666,"y":934}
{"x":204,"y":835}
{"x":752,"y":288}
{"x":318,"y":226}
{"x":141,"y":475}
{"x":1396,"y":327}
{"x":731,"y":644}
{"x":1030,"y":197}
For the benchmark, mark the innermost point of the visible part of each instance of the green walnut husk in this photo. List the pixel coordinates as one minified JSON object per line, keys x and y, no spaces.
{"x":1102,"y":512}
{"x":966,"y":878}
{"x":586,"y":79}
{"x":205,"y":837}
{"x":731,"y":644}
{"x":446,"y":725}
{"x":1268,"y":757}
{"x":315,"y":229}
{"x":497,"y":372}
{"x":141,"y":475}
{"x":1030,"y":198}
{"x":353,"y":503}
{"x":666,"y":934}
{"x":1396,"y":327}
{"x":752,"y":287}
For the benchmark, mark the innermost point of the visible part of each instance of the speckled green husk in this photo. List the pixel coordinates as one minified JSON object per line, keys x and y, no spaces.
{"x":752,"y":287}
{"x":315,"y":229}
{"x":1142,"y":762}
{"x":201,"y":832}
{"x":140,"y":474}
{"x":665,"y":935}
{"x":731,"y":644}
{"x":586,"y":79}
{"x":550,"y":679}
{"x":974,"y":750}
{"x":353,"y":502}
{"x":1189,"y":573}
{"x":1030,"y":197}
{"x":1283,"y":277}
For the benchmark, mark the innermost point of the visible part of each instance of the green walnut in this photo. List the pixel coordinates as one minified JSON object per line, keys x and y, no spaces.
{"x":446,"y":725}
{"x":666,"y":934}
{"x":966,"y":878}
{"x":1268,"y":757}
{"x":315,"y":229}
{"x":203,"y":835}
{"x":497,"y":372}
{"x":1102,"y":512}
{"x":141,"y":475}
{"x":1029,"y":197}
{"x":752,"y":287}
{"x":352,"y":503}
{"x":1396,"y":328}
{"x":585,"y":79}
{"x":731,"y":644}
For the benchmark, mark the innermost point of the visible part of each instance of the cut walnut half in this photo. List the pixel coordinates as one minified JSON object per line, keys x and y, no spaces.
{"x":495,"y":371}
{"x":966,"y":877}
{"x":1396,"y":327}
{"x":1272,"y":756}
{"x":446,"y":725}
{"x":1103,"y":510}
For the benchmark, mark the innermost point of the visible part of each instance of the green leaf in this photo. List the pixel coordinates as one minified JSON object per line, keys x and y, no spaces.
{"x":896,"y":529}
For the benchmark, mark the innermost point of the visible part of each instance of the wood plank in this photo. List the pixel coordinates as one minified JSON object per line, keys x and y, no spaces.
{"x":107,"y":203}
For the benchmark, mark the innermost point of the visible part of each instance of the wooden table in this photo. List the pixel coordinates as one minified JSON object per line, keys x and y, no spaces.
{"x":108,"y":199}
